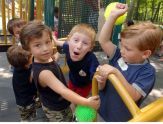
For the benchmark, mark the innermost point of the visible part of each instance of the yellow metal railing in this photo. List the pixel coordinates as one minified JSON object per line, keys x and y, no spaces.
{"x":4,"y":21}
{"x":150,"y":113}
{"x":20,"y":11}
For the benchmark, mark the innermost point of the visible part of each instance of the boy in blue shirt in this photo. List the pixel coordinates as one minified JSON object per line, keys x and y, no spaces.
{"x":130,"y":64}
{"x":81,"y":60}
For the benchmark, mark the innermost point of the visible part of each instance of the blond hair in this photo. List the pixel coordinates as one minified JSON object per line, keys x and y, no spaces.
{"x":146,"y":36}
{"x":84,"y":29}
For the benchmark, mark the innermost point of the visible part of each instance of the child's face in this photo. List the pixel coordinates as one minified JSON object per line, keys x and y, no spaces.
{"x":41,"y":48}
{"x":130,"y":53}
{"x":79,"y":45}
{"x":16,"y":31}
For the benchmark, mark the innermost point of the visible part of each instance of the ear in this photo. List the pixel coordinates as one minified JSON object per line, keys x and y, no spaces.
{"x":146,"y":54}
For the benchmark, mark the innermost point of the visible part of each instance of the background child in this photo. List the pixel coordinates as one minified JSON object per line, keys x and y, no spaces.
{"x":56,"y":16}
{"x":36,"y":38}
{"x":24,"y":89}
{"x":130,"y":64}
{"x":14,"y":27}
{"x":81,"y":60}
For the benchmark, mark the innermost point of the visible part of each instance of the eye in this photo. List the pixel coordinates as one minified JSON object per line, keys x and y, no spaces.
{"x":128,"y":49}
{"x":37,"y":45}
{"x":48,"y":42}
{"x":75,"y":40}
{"x":85,"y":43}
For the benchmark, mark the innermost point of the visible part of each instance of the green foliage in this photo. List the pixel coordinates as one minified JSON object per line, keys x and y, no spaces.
{"x":144,"y":10}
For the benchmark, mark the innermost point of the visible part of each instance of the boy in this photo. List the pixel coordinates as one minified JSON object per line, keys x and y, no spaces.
{"x":80,"y":58}
{"x":36,"y":38}
{"x":130,"y":64}
{"x":24,"y":89}
{"x":14,"y":27}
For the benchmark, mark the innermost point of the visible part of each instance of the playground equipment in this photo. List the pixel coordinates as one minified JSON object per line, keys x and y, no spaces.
{"x":150,"y":113}
{"x":70,"y":14}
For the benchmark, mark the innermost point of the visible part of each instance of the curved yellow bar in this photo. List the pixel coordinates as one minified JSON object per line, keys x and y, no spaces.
{"x":150,"y":113}
{"x":127,"y":99}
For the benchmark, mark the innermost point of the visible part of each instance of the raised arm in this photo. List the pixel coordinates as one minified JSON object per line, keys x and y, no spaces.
{"x":58,"y":42}
{"x":47,"y":78}
{"x":106,"y":32}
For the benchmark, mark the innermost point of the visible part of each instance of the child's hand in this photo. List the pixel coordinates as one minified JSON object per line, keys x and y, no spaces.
{"x":54,"y":39}
{"x":94,"y":102}
{"x":119,"y":10}
{"x":106,"y":69}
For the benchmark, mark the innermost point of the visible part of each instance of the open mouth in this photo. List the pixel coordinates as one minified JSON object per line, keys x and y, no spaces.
{"x":76,"y":53}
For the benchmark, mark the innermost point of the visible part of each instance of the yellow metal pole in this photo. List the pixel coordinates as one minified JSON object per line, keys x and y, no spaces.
{"x":150,"y":113}
{"x":20,"y":8}
{"x":95,"y":89}
{"x":8,"y":12}
{"x":29,"y":8}
{"x":38,"y":10}
{"x":4,"y":21}
{"x":13,"y":16}
{"x":26,"y":8}
{"x":13,"y":8}
{"x":94,"y":86}
{"x":131,"y":105}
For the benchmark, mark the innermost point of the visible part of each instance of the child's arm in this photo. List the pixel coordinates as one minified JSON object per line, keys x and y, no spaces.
{"x":107,"y":69}
{"x":47,"y":78}
{"x":107,"y":28}
{"x":58,"y":42}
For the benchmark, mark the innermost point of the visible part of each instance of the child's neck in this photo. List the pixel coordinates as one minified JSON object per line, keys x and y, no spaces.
{"x":47,"y":61}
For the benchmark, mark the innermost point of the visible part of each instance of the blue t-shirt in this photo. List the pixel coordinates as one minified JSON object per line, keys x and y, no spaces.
{"x":142,"y":78}
{"x":81,"y":72}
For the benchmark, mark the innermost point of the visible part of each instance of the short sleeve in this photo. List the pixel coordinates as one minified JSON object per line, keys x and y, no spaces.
{"x":145,"y":81}
{"x":65,"y":47}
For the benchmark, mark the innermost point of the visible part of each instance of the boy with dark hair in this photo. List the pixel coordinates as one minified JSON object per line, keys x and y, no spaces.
{"x":54,"y":94}
{"x":23,"y":86}
{"x":14,"y":27}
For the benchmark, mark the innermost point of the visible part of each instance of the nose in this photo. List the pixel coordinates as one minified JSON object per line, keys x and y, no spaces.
{"x":79,"y":45}
{"x":122,"y":51}
{"x":44,"y":47}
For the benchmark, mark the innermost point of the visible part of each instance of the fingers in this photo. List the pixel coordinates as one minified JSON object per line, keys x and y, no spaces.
{"x":96,"y":97}
{"x":122,"y":6}
{"x":100,"y":79}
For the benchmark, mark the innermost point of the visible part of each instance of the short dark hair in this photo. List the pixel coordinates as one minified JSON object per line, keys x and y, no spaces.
{"x":17,"y":56}
{"x":129,"y":22}
{"x":56,"y":9}
{"x":33,"y":29}
{"x":15,"y":22}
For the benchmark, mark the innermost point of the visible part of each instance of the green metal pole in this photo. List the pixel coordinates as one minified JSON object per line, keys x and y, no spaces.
{"x":49,"y":12}
{"x":31,"y":10}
